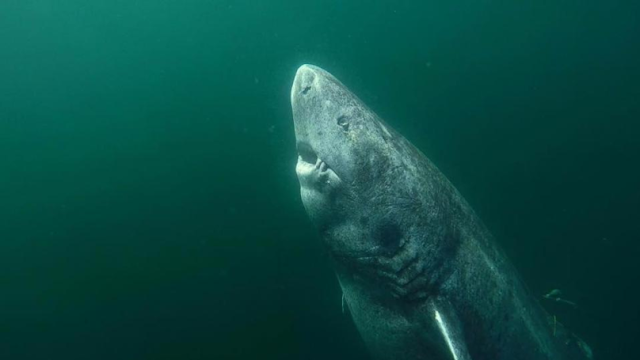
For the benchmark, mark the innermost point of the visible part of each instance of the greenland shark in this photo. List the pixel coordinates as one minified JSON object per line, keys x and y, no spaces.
{"x":421,"y":275}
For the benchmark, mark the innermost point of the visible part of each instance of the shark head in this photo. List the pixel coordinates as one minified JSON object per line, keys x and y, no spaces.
{"x":329,"y":123}
{"x":339,"y":142}
{"x":367,"y":189}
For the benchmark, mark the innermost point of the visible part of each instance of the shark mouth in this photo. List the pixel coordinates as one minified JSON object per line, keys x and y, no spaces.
{"x":310,"y":165}
{"x":306,"y":153}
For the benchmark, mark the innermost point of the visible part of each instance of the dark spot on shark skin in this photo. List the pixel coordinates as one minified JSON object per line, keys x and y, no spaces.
{"x":388,"y":236}
{"x":320,"y":133}
{"x":364,"y":220}
{"x":305,"y":90}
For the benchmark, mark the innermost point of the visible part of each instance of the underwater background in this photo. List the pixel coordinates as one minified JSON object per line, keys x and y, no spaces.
{"x":149,"y":207}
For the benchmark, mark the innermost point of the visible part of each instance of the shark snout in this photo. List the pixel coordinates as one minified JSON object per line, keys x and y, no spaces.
{"x":304,"y":82}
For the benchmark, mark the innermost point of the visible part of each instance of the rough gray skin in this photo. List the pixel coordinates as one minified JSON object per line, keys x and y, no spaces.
{"x":420,"y":273}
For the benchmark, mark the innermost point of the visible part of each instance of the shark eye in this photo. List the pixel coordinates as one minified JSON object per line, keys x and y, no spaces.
{"x":343,"y":122}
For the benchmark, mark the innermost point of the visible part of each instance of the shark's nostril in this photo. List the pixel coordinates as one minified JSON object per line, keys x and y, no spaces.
{"x":306,"y":90}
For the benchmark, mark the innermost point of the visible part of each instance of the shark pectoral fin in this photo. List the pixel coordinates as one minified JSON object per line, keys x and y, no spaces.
{"x":445,"y":328}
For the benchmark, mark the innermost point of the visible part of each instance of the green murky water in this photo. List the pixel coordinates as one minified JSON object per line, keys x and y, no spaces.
{"x":149,"y":207}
